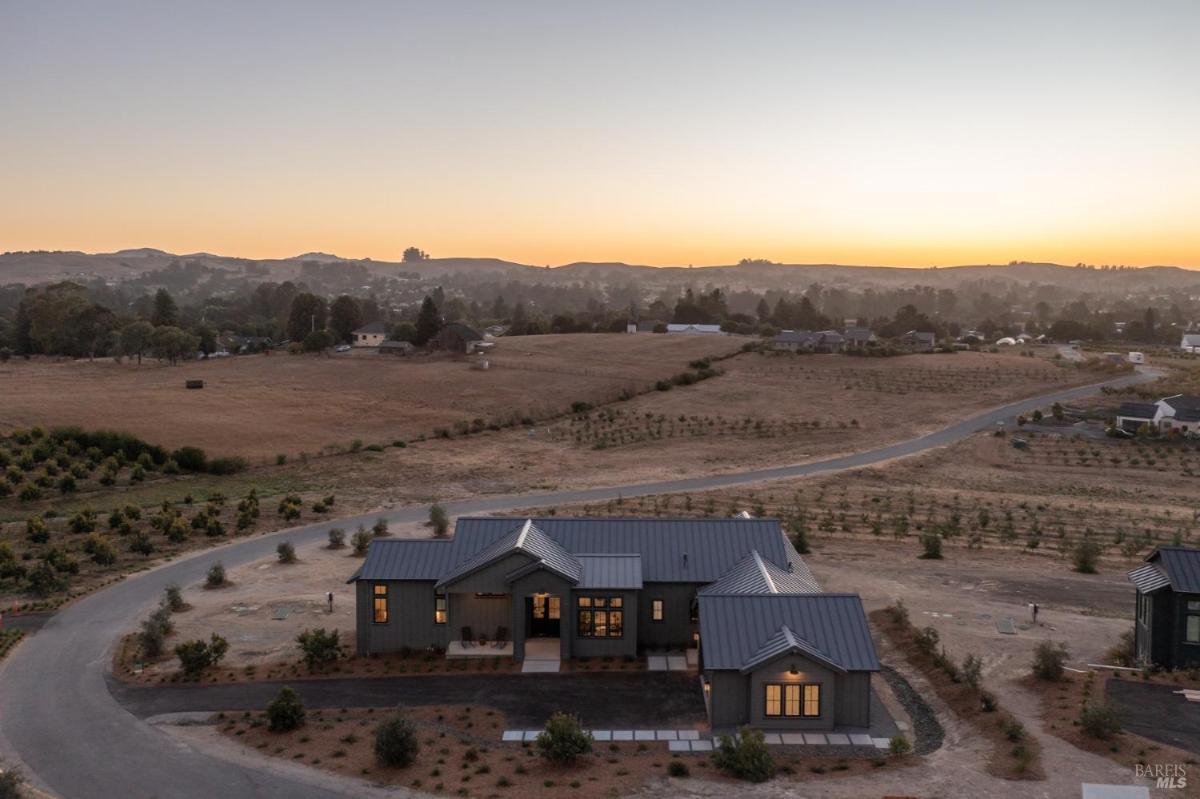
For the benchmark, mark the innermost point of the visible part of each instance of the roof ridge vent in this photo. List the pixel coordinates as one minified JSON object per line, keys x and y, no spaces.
{"x":762,"y":568}
{"x":524,"y":532}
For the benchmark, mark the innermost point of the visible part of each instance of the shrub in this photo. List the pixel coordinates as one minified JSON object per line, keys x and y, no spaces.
{"x":36,"y":530}
{"x":899,"y":746}
{"x":285,"y":712}
{"x":1084,"y":556}
{"x":360,"y":541}
{"x":173,"y":598}
{"x":1123,"y":654}
{"x":286,"y":552}
{"x":216,"y":575}
{"x":10,"y":778}
{"x":747,"y":757}
{"x":927,"y":640}
{"x":1099,"y":721}
{"x":319,"y":647}
{"x":439,"y":521}
{"x":101,"y":551}
{"x":140,"y":543}
{"x":197,"y":656}
{"x":222,"y":466}
{"x":1048,"y":660}
{"x":380,"y":528}
{"x":154,"y":631}
{"x":337,"y":538}
{"x":931,"y":547}
{"x":190,"y":459}
{"x":677,"y":768}
{"x":972,"y":670}
{"x":563,"y":740}
{"x":396,"y":742}
{"x":898,"y":613}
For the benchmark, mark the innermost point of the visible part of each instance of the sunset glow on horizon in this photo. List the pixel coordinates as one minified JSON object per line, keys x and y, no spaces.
{"x":899,"y":134}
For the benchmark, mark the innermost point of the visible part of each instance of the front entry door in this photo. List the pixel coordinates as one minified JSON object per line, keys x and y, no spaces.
{"x":543,"y":613}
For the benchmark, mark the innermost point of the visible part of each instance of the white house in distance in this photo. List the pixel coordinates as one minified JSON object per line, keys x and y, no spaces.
{"x":696,"y":329}
{"x":1180,"y":412}
{"x":371,"y":334}
{"x":1190,"y":343}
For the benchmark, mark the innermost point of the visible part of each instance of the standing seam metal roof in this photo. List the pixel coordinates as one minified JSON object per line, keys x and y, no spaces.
{"x":735,"y":629}
{"x":1149,"y":578}
{"x":1182,"y":565}
{"x":611,"y":571}
{"x":525,"y":538}
{"x":755,"y":575}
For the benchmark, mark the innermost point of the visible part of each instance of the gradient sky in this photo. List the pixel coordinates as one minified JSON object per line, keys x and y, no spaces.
{"x":902,"y":133}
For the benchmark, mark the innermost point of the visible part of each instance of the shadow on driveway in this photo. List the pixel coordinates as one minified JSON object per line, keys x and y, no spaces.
{"x":604,"y":701}
{"x":1153,"y":711}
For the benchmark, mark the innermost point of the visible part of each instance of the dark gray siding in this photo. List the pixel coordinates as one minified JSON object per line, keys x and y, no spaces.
{"x":853,"y":699}
{"x":490,"y":579}
{"x":728,"y":698}
{"x":676,"y":629}
{"x":539,"y":582}
{"x":410,"y":618}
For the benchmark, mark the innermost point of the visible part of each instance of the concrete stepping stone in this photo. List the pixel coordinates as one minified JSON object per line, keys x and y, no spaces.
{"x":513,"y":735}
{"x":643,"y":735}
{"x":838,"y":739}
{"x":814,"y":738}
{"x":666,"y":735}
{"x":531,"y":735}
{"x":689,"y":735}
{"x":656,"y":663}
{"x":861,"y":739}
{"x":881,"y":743}
{"x":602,"y":735}
{"x":701,"y":746}
{"x":772,"y":739}
{"x":679,"y":746}
{"x":793,"y":738}
{"x":622,"y":735}
{"x":540,"y":666}
{"x":677,"y":663}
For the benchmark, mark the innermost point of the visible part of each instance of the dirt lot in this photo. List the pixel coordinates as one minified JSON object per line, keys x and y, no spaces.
{"x":259,"y":406}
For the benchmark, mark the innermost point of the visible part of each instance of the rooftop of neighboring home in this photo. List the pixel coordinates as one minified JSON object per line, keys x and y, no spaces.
{"x":1177,"y":567}
{"x":859,"y":334}
{"x":1138,"y":410}
{"x":466,"y":332}
{"x":378,"y":327}
{"x":1182,"y":402}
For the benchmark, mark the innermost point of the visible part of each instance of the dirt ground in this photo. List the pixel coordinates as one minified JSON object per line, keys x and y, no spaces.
{"x":260,"y":406}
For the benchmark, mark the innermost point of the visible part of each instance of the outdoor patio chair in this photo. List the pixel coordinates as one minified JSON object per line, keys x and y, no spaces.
{"x":501,"y":637}
{"x":467,"y":638}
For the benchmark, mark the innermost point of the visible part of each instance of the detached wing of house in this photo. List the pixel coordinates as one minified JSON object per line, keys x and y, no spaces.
{"x":1132,"y":415}
{"x":1167,"y":612}
{"x":1190,"y":342}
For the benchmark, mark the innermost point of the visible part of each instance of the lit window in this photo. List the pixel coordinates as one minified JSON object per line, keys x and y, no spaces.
{"x":555,"y":607}
{"x":380,"y":591}
{"x":812,"y":700}
{"x":774,"y":703}
{"x":439,"y":608}
{"x":600,"y":617}
{"x":791,"y":700}
{"x":656,"y":610}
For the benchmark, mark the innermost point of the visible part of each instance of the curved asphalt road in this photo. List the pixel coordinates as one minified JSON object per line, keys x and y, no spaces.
{"x":58,"y":717}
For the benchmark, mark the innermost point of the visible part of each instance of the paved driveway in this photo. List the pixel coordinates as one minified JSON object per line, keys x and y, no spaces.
{"x":58,"y":718}
{"x":1155,"y":712}
{"x":527,"y":700}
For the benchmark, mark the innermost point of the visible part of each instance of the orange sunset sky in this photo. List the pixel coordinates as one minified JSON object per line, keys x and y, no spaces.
{"x":906,"y":134}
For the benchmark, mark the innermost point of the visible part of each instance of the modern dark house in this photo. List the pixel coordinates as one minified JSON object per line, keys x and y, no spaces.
{"x":455,"y":337}
{"x":1167,"y":624}
{"x":770,"y":648}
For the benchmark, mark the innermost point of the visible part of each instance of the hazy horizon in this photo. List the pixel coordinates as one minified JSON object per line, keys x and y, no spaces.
{"x":860,"y":133}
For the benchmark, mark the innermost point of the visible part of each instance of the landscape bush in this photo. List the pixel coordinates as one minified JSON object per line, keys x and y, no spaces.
{"x":746,"y":756}
{"x":1099,"y":721}
{"x":380,"y":529}
{"x":1085,"y":555}
{"x":1048,"y":660}
{"x":319,"y":647}
{"x":361,"y":540}
{"x":285,"y":712}
{"x":173,"y":598}
{"x":337,"y":538}
{"x":195,"y":657}
{"x":931,"y":547}
{"x":563,"y":740}
{"x":286,"y":552}
{"x":216,"y":575}
{"x":677,"y":768}
{"x":439,"y":521}
{"x":1124,"y":653}
{"x":101,"y":552}
{"x":972,"y":670}
{"x":898,"y":746}
{"x":396,"y":744}
{"x":155,"y":629}
{"x":10,"y":783}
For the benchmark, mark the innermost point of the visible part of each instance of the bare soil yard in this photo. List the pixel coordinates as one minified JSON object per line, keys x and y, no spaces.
{"x":260,"y":406}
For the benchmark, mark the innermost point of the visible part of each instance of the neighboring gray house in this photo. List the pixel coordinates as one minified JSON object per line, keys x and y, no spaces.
{"x":1132,"y":415}
{"x":1180,"y":412}
{"x":772,"y":649}
{"x":921,"y":341}
{"x":807,"y":341}
{"x":1167,"y":613}
{"x":1190,"y":342}
{"x":859,"y":338}
{"x":396,"y":348}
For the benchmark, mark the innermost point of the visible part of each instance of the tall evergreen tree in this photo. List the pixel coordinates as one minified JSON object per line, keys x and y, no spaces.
{"x":429,"y":322}
{"x":166,"y":312}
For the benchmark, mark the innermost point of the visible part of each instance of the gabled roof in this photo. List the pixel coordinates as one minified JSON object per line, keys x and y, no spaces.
{"x":755,"y":575}
{"x":465,"y":332}
{"x":611,"y":571}
{"x":1182,"y":402}
{"x":526,"y":538}
{"x":859,"y":333}
{"x":1138,"y":410}
{"x":377,"y":327}
{"x":793,"y":336}
{"x":1149,"y":578}
{"x":1190,"y":340}
{"x":1187,"y":415}
{"x":736,"y":630}
{"x":1181,"y":566}
{"x":787,"y":642}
